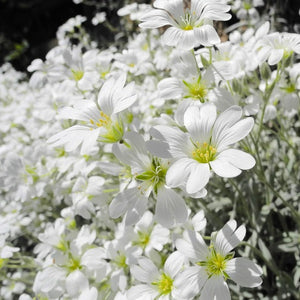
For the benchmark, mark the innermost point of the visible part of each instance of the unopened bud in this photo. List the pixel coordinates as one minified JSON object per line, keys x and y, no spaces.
{"x":237,"y":86}
{"x":265,"y":71}
{"x":288,"y":59}
{"x":204,"y":62}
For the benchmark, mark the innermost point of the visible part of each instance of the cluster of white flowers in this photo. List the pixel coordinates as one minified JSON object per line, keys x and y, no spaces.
{"x":106,"y":156}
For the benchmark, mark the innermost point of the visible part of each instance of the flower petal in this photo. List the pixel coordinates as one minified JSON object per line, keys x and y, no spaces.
{"x":238,"y":158}
{"x":178,"y":141}
{"x":170,"y":88}
{"x":229,"y":237}
{"x":275,"y":56}
{"x":198,"y":178}
{"x":174,"y":263}
{"x":141,"y":292}
{"x":179,"y":172}
{"x":190,"y":282}
{"x":206,"y":35}
{"x":156,"y":18}
{"x":215,"y":288}
{"x":146,"y":271}
{"x":75,"y":283}
{"x":199,"y":121}
{"x":244,"y":272}
{"x":235,"y":133}
{"x":174,"y":7}
{"x":224,"y":169}
{"x":124,"y":98}
{"x":225,"y":120}
{"x":174,"y":36}
{"x":192,"y":246}
{"x":170,"y":208}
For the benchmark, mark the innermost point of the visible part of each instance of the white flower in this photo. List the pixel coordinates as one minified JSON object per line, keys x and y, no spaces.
{"x":100,"y":17}
{"x":121,"y":255}
{"x":187,"y":81}
{"x":149,"y":236}
{"x":277,"y":46}
{"x":85,"y":193}
{"x":215,"y":264}
{"x":150,"y":172}
{"x":205,"y":146}
{"x":155,"y":284}
{"x":113,"y":99}
{"x":130,"y":203}
{"x":189,"y":27}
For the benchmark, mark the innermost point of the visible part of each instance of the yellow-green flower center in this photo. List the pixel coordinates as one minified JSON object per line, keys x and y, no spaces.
{"x":204,"y":153}
{"x":73,"y":264}
{"x":164,"y":284}
{"x":290,"y":88}
{"x":196,"y":90}
{"x":215,"y":264}
{"x":187,"y":22}
{"x":188,"y":27}
{"x":77,"y":74}
{"x":62,"y":246}
{"x":155,"y":175}
{"x":143,"y":239}
{"x":247,"y":6}
{"x":1,"y":262}
{"x":120,"y":261}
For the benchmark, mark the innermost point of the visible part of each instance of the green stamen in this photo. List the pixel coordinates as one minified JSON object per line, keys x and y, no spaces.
{"x":164,"y":285}
{"x":77,"y":75}
{"x":143,"y":239}
{"x":73,"y":264}
{"x":196,"y":90}
{"x":215,"y":264}
{"x":155,"y":175}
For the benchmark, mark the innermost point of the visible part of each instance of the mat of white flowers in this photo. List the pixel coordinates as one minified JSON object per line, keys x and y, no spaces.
{"x":168,"y":169}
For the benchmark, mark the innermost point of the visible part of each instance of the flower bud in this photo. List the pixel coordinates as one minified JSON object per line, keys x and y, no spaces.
{"x":265,"y":71}
{"x":204,"y":62}
{"x":237,"y":86}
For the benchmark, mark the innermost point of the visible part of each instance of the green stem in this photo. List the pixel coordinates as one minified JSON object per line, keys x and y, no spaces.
{"x":266,"y":98}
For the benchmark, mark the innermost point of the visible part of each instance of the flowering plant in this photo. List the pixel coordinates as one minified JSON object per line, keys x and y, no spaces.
{"x":167,"y":169}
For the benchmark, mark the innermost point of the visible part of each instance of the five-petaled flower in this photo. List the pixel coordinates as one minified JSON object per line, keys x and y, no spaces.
{"x":215,"y":264}
{"x":205,"y":146}
{"x":188,"y":27}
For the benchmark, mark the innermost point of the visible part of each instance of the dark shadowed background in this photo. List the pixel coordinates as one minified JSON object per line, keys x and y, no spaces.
{"x":28,"y":27}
